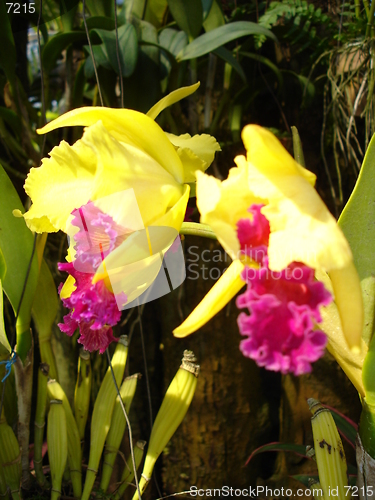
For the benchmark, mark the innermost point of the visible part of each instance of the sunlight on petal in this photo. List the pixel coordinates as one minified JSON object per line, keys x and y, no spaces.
{"x":171,"y":98}
{"x":130,"y":127}
{"x":228,"y":285}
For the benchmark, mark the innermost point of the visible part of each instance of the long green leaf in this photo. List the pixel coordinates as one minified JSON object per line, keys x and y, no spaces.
{"x":220,"y":36}
{"x":228,"y":57}
{"x":188,"y":15}
{"x":347,"y":428}
{"x":298,"y":449}
{"x":16,"y":243}
{"x":8,"y":52}
{"x":206,"y":4}
{"x":155,"y":12}
{"x":358,"y":223}
{"x":44,"y":312}
{"x":3,"y":336}
{"x":215,"y":17}
{"x":57,"y":44}
{"x":267,"y":62}
{"x":128,"y":48}
{"x":101,"y":8}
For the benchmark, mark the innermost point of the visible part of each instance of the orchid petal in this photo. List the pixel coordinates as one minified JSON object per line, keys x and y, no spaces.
{"x":62,"y":183}
{"x":133,"y":266}
{"x":348,"y":297}
{"x":68,"y":287}
{"x":222,"y":204}
{"x":350,"y":361}
{"x":302,"y":228}
{"x":228,"y":285}
{"x":196,"y":153}
{"x":171,"y":98}
{"x":96,"y":166}
{"x":127,"y":126}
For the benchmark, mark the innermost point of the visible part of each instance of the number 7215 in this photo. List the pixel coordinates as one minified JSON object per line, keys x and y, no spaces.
{"x":18,"y":8}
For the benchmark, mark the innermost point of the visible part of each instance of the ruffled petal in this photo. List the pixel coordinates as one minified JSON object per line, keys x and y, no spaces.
{"x":284,"y":308}
{"x":196,"y":153}
{"x":63,"y":182}
{"x":96,"y":166}
{"x":127,"y":126}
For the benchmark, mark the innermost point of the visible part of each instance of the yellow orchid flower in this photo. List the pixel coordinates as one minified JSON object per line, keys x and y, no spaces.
{"x":267,"y":215}
{"x":107,"y":191}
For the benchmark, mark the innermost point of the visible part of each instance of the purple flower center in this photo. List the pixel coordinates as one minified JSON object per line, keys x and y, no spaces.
{"x":283,"y":307}
{"x":253,"y":234}
{"x":93,"y":307}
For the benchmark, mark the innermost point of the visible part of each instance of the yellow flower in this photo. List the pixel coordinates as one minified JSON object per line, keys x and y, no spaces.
{"x":120,"y":150}
{"x":301,"y":228}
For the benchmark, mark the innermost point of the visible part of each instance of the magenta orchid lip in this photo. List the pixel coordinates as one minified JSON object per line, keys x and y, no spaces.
{"x":283,"y":306}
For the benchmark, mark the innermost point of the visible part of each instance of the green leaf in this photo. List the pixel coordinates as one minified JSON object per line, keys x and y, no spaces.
{"x":172,"y":40}
{"x":206,"y":4}
{"x":128,"y":49}
{"x":44,"y":311}
{"x":188,"y":15}
{"x":11,"y":119}
{"x":57,"y":44}
{"x":3,"y":336}
{"x":220,"y":36}
{"x":3,"y":266}
{"x":297,"y":147}
{"x":100,"y":22}
{"x":267,"y":62}
{"x":8,"y":55}
{"x":298,"y":449}
{"x":228,"y":57}
{"x":101,"y":8}
{"x":307,"y":87}
{"x":347,"y":428}
{"x":155,"y":12}
{"x":16,"y":243}
{"x":215,"y":17}
{"x":46,"y":303}
{"x":358,"y":224}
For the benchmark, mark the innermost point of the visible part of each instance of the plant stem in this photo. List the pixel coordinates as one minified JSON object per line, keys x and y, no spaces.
{"x":357,"y":6}
{"x":370,"y":20}
{"x":367,"y":428}
{"x":197,"y":229}
{"x":367,"y":8}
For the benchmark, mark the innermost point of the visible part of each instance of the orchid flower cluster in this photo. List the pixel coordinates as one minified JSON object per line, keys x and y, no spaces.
{"x":267,"y":216}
